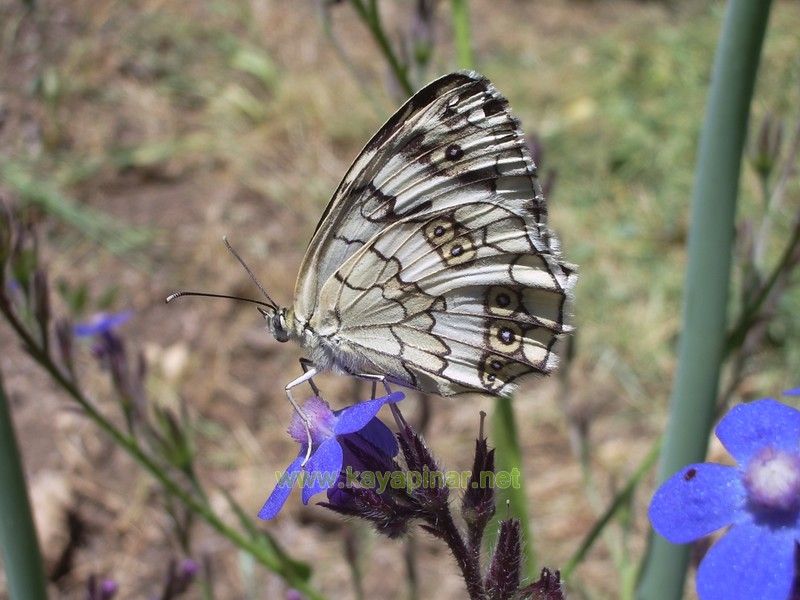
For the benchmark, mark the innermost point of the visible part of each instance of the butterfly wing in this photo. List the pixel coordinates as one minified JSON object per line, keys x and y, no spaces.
{"x":433,"y":263}
{"x":453,"y":137}
{"x":469,"y":299}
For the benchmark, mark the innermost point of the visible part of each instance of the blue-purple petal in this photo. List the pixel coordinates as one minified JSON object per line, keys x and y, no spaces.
{"x":353,"y":418}
{"x":792,"y":392}
{"x":749,"y":428}
{"x":101,"y":323}
{"x":322,"y":469}
{"x":380,"y":436}
{"x":749,"y":562}
{"x":282,"y":490}
{"x":696,"y":501}
{"x":339,"y":494}
{"x":361,"y":454}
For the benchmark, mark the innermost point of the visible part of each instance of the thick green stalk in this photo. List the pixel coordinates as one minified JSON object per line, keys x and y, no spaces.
{"x":20,"y":546}
{"x":462,"y":33}
{"x":508,"y":457}
{"x":702,"y":343}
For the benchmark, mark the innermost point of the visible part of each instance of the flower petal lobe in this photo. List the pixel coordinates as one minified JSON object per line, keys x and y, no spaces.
{"x":748,"y":428}
{"x":748,"y":562}
{"x":322,"y":469}
{"x":353,"y":418}
{"x":696,"y":501}
{"x":282,"y":490}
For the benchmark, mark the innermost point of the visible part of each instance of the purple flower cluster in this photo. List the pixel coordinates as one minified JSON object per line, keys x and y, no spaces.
{"x":351,"y":446}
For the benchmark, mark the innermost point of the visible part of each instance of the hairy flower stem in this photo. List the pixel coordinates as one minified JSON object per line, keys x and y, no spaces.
{"x":130,"y":445}
{"x":469,"y":562}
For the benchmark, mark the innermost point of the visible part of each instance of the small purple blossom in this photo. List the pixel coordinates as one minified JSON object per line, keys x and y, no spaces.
{"x":101,"y":590}
{"x":759,"y":499}
{"x":189,"y":568}
{"x":14,"y":287}
{"x":350,"y":426}
{"x":108,"y":589}
{"x":180,"y":577}
{"x":101,"y":323}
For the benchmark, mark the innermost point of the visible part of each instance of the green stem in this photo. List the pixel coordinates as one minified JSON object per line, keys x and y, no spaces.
{"x":20,"y":546}
{"x":508,"y":456}
{"x":462,"y":33}
{"x":621,"y":499}
{"x":702,"y":343}
{"x":372,"y":17}
{"x":338,"y":48}
{"x":129,"y":445}
{"x":750,"y":312}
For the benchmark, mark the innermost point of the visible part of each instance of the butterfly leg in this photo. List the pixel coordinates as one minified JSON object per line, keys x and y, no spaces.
{"x":375,"y":379}
{"x":292,"y":384}
{"x":307,"y":365}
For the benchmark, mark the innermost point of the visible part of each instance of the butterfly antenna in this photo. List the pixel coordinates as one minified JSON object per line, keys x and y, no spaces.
{"x":180,"y":294}
{"x":230,"y":248}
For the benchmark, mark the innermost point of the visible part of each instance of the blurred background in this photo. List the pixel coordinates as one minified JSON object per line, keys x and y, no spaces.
{"x":136,"y":134}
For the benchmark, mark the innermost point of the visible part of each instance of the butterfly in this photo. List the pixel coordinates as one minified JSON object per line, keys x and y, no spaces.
{"x":432,"y":265}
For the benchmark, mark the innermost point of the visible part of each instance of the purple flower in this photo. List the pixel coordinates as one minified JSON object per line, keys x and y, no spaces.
{"x":101,"y":590}
{"x":353,"y":425}
{"x":189,"y":568}
{"x":108,"y":589}
{"x":179,"y":578}
{"x":101,"y":323}
{"x":759,"y":499}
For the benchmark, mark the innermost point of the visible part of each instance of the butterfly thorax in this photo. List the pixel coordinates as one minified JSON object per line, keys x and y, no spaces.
{"x":322,"y":344}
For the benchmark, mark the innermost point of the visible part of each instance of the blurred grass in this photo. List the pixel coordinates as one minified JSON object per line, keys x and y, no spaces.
{"x":92,"y":223}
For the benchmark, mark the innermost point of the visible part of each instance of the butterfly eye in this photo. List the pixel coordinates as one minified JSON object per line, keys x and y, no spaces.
{"x":277,"y":326}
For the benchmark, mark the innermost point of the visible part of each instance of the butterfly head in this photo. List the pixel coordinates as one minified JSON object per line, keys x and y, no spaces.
{"x":276,"y":322}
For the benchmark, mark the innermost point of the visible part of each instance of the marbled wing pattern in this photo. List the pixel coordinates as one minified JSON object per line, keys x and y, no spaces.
{"x":470,"y":309}
{"x":434,"y":264}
